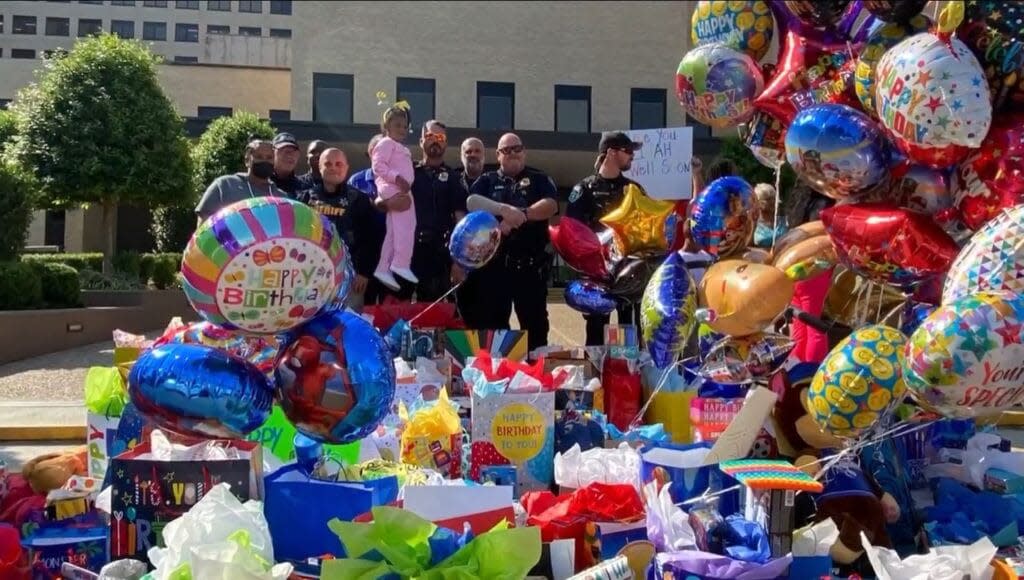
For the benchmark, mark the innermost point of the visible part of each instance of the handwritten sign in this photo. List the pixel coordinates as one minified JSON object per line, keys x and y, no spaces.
{"x":662,"y":165}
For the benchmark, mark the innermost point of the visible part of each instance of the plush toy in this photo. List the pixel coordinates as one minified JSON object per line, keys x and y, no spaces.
{"x":854,"y":502}
{"x":52,"y":471}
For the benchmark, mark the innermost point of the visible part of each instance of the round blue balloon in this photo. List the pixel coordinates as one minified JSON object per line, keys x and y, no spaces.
{"x":721,"y":216}
{"x":200,"y":391}
{"x":837,"y":150}
{"x":589,"y":297}
{"x":336,"y":381}
{"x":475,"y":240}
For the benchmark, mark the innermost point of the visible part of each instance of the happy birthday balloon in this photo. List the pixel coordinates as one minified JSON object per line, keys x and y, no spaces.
{"x":994,"y":31}
{"x":895,"y":10}
{"x":475,"y":240}
{"x":579,"y":246}
{"x":932,"y":99}
{"x":716,"y":85}
{"x":589,"y":297}
{"x":741,"y":298}
{"x":741,"y":361}
{"x":746,"y":26}
{"x":722,"y":216}
{"x":766,"y":139}
{"x":967,"y":358}
{"x":263,"y":265}
{"x":992,"y":261}
{"x":991,"y":179}
{"x":837,"y":150}
{"x":632,"y":276}
{"x":885,"y":37}
{"x":641,"y":224}
{"x":667,"y":311}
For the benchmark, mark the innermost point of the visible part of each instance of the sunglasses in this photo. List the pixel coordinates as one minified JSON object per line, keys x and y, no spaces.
{"x":511,"y":149}
{"x":439,"y":138}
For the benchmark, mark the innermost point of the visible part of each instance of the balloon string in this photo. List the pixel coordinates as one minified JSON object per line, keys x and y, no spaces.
{"x":778,"y":197}
{"x":436,"y":302}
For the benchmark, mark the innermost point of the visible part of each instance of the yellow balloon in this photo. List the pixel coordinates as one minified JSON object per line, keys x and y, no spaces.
{"x":639,"y":223}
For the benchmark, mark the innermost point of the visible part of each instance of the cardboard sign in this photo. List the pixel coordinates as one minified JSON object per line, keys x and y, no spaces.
{"x":662,"y":165}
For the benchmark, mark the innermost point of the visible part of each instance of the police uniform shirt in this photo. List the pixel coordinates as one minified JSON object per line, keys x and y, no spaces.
{"x":522,"y":191}
{"x":351,"y":212}
{"x":289,"y":184}
{"x":595,"y":197}
{"x":437,"y":193}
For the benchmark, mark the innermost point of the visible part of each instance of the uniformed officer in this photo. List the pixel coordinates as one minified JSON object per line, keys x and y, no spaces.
{"x":524,"y":200}
{"x":596,"y":196}
{"x":472,"y":154}
{"x":440,"y":201}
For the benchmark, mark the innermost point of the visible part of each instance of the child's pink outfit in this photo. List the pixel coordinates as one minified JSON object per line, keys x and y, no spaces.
{"x":389,"y":160}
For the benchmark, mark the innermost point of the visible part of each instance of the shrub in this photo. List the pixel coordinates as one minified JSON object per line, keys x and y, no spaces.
{"x":165,"y":270}
{"x":60,"y":284}
{"x":92,"y":280}
{"x":129,"y":264}
{"x":146,"y":263}
{"x":89,"y":261}
{"x":17,"y":200}
{"x":173,"y":226}
{"x":7,"y":129}
{"x":20,"y":286}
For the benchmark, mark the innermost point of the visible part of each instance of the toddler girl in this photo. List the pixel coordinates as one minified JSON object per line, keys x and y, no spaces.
{"x":393,"y":174}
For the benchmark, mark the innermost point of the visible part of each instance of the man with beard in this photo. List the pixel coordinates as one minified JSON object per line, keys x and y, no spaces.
{"x":286,"y":159}
{"x":440,"y":201}
{"x":313,"y":151}
{"x":472,"y":153}
{"x":593,"y":198}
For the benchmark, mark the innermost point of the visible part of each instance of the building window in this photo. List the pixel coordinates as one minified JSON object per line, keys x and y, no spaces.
{"x":123,"y":28}
{"x":700,"y":130}
{"x":155,"y":3}
{"x":572,"y":109}
{"x":58,"y":26}
{"x":186,"y":32}
{"x":332,"y":98}
{"x":1,"y":23}
{"x":217,"y":29}
{"x":186,"y":59}
{"x":152,"y":30}
{"x":280,"y":33}
{"x":4,"y":103}
{"x":254,"y":6}
{"x":22,"y":53}
{"x":495,"y":105}
{"x":420,"y":93}
{"x":646,"y":108}
{"x":24,"y":25}
{"x":214,"y":112}
{"x":89,"y":27}
{"x":187,"y":4}
{"x":250,"y":31}
{"x":281,"y":7}
{"x":122,"y":2}
{"x":219,"y":6}
{"x":277,"y":115}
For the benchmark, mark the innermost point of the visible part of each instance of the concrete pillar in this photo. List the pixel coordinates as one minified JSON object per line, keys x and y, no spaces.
{"x":37,"y":229}
{"x":83,"y":230}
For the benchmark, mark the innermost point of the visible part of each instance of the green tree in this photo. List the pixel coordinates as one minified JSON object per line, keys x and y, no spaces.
{"x":17,"y":200}
{"x":97,"y":128}
{"x":752,"y":170}
{"x":219,"y":151}
{"x":7,"y":129}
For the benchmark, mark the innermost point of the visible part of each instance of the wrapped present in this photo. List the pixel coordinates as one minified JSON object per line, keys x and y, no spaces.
{"x":105,"y":399}
{"x":432,"y":438}
{"x":623,"y":390}
{"x":420,"y":314}
{"x":462,"y":345}
{"x":685,"y":469}
{"x":277,"y":437}
{"x":515,"y":429}
{"x":84,"y":546}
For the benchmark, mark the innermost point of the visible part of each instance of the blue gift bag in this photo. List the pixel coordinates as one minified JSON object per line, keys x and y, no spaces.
{"x":681,"y":467}
{"x":298,"y":507}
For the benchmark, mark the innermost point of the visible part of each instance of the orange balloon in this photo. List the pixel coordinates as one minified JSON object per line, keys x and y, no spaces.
{"x":757,"y":256}
{"x":743,"y":298}
{"x":807,"y":258}
{"x":798,"y":234}
{"x":641,"y":224}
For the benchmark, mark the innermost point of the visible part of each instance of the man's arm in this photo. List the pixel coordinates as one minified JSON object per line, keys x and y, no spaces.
{"x":209,"y":203}
{"x":547,"y":207}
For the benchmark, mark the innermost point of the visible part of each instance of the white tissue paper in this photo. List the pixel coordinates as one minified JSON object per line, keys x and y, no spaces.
{"x":403,"y":370}
{"x":970,"y":464}
{"x":942,"y":563}
{"x":219,"y":537}
{"x":815,"y":540}
{"x":668,"y":526}
{"x":523,"y":383}
{"x":577,"y":469}
{"x":427,"y":371}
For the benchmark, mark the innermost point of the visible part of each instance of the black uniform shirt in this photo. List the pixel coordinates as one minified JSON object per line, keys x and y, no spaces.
{"x":595,"y":197}
{"x":437,"y":193}
{"x":522,"y":191}
{"x":352,"y":214}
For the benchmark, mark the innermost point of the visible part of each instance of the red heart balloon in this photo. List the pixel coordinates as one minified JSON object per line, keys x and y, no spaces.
{"x":992,"y":178}
{"x":890,"y":245}
{"x":579,"y":247}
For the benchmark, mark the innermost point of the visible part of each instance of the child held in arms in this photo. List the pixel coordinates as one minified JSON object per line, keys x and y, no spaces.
{"x":393,"y":175}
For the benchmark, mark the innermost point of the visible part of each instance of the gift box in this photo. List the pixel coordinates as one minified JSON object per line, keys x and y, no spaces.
{"x":462,"y":345}
{"x":685,"y":469}
{"x":84,"y":546}
{"x":519,"y":430}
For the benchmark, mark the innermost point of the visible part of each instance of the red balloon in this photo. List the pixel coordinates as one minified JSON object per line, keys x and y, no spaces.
{"x":814,"y":69}
{"x":895,"y":246}
{"x":579,"y":247}
{"x":992,"y":178}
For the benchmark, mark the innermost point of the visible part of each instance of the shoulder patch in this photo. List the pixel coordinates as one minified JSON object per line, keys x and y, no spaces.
{"x":575,"y":194}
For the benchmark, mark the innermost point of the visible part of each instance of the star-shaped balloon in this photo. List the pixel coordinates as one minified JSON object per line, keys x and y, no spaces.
{"x":642,"y":225}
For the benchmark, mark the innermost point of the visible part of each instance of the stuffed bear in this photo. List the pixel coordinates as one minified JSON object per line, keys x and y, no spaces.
{"x":854,"y":502}
{"x":51,"y":471}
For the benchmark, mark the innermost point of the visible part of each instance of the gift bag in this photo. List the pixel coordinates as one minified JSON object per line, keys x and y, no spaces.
{"x":277,"y":437}
{"x":675,"y":394}
{"x":50,"y":547}
{"x":148,"y":493}
{"x":518,"y":430}
{"x":432,"y":438}
{"x":682,"y":468}
{"x":105,"y":399}
{"x":298,"y":507}
{"x":623,"y":388}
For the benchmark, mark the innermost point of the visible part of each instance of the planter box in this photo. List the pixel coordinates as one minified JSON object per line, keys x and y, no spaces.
{"x":101,"y":298}
{"x":28,"y":333}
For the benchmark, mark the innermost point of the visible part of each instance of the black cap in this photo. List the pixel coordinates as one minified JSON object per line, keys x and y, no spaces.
{"x":617,"y":140}
{"x":285,"y":140}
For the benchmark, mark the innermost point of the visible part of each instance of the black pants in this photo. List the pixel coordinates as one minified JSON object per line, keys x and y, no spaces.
{"x":489,"y":295}
{"x":628,"y":314}
{"x":432,"y":266}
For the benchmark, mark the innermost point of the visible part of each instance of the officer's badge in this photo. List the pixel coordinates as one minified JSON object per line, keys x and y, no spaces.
{"x":525,"y":182}
{"x":443,"y":177}
{"x":575,"y":194}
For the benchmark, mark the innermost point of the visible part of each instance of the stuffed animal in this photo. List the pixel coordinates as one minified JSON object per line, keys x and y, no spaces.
{"x":854,"y":502}
{"x":52,"y":471}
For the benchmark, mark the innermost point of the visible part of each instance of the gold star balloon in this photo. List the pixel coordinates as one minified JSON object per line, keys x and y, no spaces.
{"x":642,"y":225}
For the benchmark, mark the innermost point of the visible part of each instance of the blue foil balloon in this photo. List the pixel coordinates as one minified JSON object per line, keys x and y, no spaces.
{"x":837,"y":150}
{"x":200,"y":391}
{"x":589,"y":297}
{"x":475,"y":240}
{"x":336,"y":381}
{"x":722,"y":216}
{"x":667,"y":311}
{"x":914,"y":315}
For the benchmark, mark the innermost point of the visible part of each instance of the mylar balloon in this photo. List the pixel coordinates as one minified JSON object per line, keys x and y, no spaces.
{"x":743,"y":298}
{"x":766,"y":139}
{"x":200,"y":391}
{"x":992,"y":261}
{"x":589,"y":297}
{"x":994,"y":31}
{"x":885,"y":37}
{"x":580,"y":247}
{"x":932,"y":99}
{"x":914,"y":316}
{"x":967,"y":358}
{"x":667,"y":311}
{"x":641,"y":224}
{"x":337,"y":380}
{"x":716,"y":85}
{"x":895,"y":10}
{"x":922,"y":189}
{"x":632,"y":276}
{"x":475,"y":240}
{"x":806,"y":259}
{"x":798,"y":234}
{"x":818,"y":13}
{"x":740,"y":361}
{"x":746,"y":26}
{"x":263,"y":265}
{"x":859,"y":381}
{"x":890,"y":245}
{"x":837,"y":150}
{"x":722,"y":216}
{"x":991,"y":179}
{"x":261,"y":351}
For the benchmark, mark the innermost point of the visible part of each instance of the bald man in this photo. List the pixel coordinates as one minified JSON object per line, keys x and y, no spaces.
{"x":313,"y":151}
{"x":472,"y":153}
{"x":352,"y":214}
{"x":524,"y":200}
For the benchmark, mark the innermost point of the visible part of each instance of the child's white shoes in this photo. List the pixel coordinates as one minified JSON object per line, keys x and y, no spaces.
{"x":405,"y":274}
{"x":387,"y":279}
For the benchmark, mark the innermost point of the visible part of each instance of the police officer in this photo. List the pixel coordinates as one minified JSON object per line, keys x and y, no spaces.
{"x":517,"y":276}
{"x":313,"y":151}
{"x":286,"y":158}
{"x":593,"y":198}
{"x":440,"y":201}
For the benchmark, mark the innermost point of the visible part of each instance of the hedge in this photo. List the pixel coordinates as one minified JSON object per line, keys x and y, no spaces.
{"x":21,"y":287}
{"x":158,"y":268}
{"x":61,"y":287}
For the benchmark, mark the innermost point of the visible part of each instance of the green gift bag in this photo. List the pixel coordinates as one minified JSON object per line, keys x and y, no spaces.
{"x":277,"y":436}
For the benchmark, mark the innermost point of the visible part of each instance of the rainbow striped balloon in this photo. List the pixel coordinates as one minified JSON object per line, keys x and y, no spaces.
{"x":263,"y":265}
